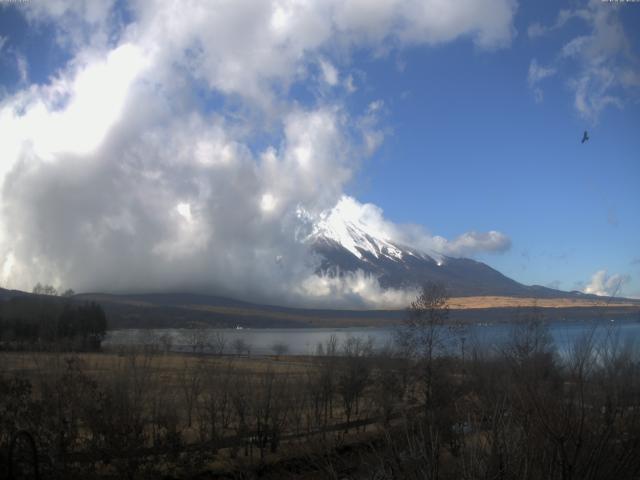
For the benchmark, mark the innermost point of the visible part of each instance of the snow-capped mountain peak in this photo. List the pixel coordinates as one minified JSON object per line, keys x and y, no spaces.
{"x":353,"y":237}
{"x":358,"y":228}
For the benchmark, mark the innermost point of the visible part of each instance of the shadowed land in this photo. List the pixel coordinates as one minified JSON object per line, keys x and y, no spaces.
{"x":178,"y":310}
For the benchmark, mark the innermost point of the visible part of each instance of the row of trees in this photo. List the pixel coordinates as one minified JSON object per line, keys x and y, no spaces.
{"x":50,"y":290}
{"x":26,"y":321}
{"x":202,"y":341}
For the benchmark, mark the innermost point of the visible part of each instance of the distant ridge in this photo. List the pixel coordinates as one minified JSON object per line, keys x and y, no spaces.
{"x":185,"y":310}
{"x":190,"y":310}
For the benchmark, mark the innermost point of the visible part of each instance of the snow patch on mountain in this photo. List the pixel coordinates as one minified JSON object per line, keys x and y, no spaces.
{"x":361,"y":229}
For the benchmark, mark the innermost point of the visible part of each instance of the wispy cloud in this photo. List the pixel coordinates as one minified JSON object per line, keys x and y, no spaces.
{"x":537,"y":73}
{"x":23,"y":67}
{"x":601,"y":68}
{"x":9,"y":55}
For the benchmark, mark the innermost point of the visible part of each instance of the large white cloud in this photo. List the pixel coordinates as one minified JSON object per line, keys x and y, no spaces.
{"x":604,"y":284}
{"x":118,"y":175}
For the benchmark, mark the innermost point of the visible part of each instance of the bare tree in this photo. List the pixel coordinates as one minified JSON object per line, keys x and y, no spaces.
{"x":388,"y":389}
{"x":216,"y":407}
{"x":422,"y":335}
{"x":190,"y":379}
{"x":218,"y":343}
{"x":166,"y":342}
{"x":354,"y":374}
{"x":530,"y":339}
{"x":329,"y":348}
{"x":240,"y":400}
{"x":279,"y":348}
{"x":196,"y":339}
{"x":40,"y":289}
{"x":241,"y":346}
{"x":269,"y":409}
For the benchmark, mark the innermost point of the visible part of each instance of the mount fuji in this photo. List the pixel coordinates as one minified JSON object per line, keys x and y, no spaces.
{"x":353,"y":237}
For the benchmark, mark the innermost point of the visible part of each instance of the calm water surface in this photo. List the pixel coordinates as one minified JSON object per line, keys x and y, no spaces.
{"x":303,"y":341}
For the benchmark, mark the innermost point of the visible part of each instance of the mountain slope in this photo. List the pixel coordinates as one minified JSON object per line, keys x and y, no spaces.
{"x":347,"y":244}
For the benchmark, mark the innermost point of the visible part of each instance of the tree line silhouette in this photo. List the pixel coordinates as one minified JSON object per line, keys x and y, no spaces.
{"x":26,"y":321}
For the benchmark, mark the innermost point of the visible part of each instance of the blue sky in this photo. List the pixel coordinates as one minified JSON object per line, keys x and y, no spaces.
{"x":464,"y":123}
{"x":472,"y":149}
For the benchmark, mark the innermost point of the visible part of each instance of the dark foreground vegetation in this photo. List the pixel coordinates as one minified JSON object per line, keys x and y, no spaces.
{"x":433,"y":406}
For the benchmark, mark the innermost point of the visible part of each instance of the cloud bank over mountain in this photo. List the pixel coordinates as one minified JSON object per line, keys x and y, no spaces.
{"x":169,"y":152}
{"x":604,"y":284}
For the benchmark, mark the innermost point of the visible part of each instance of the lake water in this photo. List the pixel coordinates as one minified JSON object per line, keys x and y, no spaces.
{"x":303,"y":341}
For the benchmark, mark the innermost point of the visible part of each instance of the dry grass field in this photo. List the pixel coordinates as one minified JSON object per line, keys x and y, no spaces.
{"x":351,"y":413}
{"x":46,"y":363}
{"x":458,"y":303}
{"x":184,"y":407}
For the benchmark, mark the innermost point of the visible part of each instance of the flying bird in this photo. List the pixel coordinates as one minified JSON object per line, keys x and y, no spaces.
{"x":585,"y":137}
